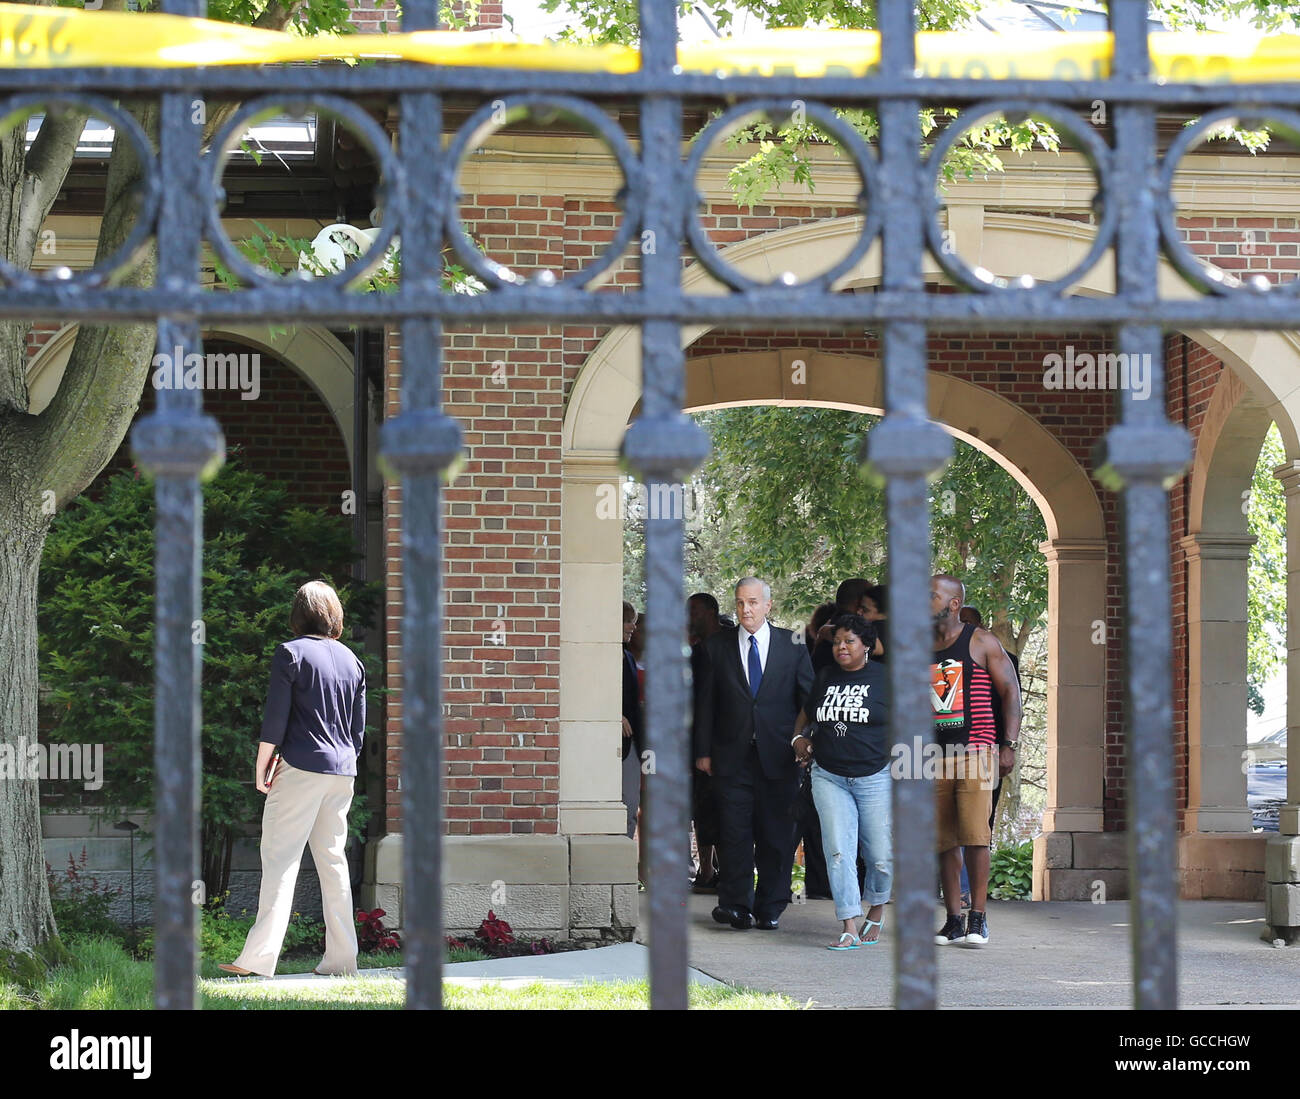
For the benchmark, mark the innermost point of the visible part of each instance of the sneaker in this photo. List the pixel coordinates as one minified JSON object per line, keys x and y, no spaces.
{"x":954,"y":931}
{"x":977,"y":932}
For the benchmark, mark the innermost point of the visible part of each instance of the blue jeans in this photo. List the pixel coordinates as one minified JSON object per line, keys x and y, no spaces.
{"x":855,"y":816}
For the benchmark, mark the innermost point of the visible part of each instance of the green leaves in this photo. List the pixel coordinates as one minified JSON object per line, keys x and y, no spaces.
{"x":1265,"y":506}
{"x":1011,"y":872}
{"x":785,"y":485}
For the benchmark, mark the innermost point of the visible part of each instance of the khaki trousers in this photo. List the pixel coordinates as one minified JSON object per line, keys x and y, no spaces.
{"x":304,"y":808}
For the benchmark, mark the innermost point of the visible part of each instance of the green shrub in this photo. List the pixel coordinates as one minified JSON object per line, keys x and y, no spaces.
{"x":97,"y":627}
{"x":1011,"y":872}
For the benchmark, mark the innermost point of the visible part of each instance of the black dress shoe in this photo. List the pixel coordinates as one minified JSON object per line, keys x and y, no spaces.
{"x":743,"y":920}
{"x":767,"y":925}
{"x":725,"y":913}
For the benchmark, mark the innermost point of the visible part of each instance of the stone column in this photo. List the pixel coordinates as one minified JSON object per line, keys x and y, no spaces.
{"x":1077,"y":639}
{"x":1216,"y":689}
{"x":1282,"y":852}
{"x":591,"y":595}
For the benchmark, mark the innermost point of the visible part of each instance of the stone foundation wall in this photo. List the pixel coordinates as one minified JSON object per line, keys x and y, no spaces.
{"x":579,"y":887}
{"x":108,"y":861}
{"x":1082,"y":866}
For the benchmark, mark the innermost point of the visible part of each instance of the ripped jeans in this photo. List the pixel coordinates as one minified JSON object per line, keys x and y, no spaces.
{"x":855,"y":816}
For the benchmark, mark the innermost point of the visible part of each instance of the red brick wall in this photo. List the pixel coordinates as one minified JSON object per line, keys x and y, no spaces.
{"x":40,"y":334}
{"x":502,"y":564}
{"x":374,"y":16}
{"x":1191,"y":387}
{"x":368,"y":15}
{"x":1268,"y":246}
{"x":287,"y":433}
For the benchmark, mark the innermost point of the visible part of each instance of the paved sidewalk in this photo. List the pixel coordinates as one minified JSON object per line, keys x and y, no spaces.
{"x":1040,"y":954}
{"x":621,"y":962}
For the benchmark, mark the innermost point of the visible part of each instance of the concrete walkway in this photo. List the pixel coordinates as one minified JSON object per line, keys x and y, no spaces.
{"x":1041,"y":955}
{"x":1044,"y":954}
{"x":621,"y":962}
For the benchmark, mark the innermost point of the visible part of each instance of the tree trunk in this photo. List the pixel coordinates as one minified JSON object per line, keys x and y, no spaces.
{"x":45,"y":461}
{"x":26,"y":920}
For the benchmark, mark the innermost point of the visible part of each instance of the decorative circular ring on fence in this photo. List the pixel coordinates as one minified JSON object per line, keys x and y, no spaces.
{"x":541,"y":110}
{"x":143,"y":197}
{"x":1237,"y":257}
{"x":361,"y":257}
{"x":1105,"y":213}
{"x":779,"y":112}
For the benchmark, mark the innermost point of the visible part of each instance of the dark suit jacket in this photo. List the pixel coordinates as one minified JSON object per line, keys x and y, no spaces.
{"x":728,"y":717}
{"x":632,"y":706}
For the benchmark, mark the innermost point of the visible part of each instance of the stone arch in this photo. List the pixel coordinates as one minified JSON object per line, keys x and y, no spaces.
{"x":1217,"y":551}
{"x":1060,"y":487}
{"x":1268,"y":362}
{"x":315,"y":353}
{"x":985,"y":420}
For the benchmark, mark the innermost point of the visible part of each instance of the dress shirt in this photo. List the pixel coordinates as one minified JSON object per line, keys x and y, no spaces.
{"x":764,"y":635}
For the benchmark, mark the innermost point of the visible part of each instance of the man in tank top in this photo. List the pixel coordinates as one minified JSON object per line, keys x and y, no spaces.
{"x":969,"y":666}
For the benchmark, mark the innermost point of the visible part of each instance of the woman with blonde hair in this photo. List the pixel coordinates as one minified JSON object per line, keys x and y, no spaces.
{"x":311,"y":737}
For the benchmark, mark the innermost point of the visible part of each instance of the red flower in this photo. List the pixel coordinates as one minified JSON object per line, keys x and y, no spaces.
{"x":495,"y":932}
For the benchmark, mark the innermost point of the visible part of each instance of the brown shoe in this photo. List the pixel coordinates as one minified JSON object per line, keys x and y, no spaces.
{"x":236,"y":970}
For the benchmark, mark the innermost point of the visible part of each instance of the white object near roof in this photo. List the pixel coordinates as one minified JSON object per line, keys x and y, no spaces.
{"x":336,"y":244}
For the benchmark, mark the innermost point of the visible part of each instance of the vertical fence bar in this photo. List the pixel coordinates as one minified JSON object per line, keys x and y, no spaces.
{"x":906,"y":447}
{"x":1144,"y":454}
{"x":178,"y":444}
{"x":419,"y":444}
{"x":663,"y":446}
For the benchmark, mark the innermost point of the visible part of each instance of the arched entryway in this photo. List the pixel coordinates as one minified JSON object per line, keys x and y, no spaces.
{"x":1073,"y":852}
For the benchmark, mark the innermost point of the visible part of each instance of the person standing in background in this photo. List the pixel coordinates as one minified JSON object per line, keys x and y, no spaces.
{"x":315,"y":719}
{"x":702,"y":615}
{"x":874,"y":608}
{"x":969,"y":667}
{"x":750,"y":686}
{"x":633,"y":723}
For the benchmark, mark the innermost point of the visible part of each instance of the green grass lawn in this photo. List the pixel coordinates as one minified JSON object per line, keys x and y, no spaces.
{"x":104,"y":976}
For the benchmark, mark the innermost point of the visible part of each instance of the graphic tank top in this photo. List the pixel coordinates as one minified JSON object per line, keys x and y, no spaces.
{"x":961,"y":693}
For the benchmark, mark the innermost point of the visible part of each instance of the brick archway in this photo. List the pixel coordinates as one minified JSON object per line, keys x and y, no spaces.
{"x":1069,"y":856}
{"x":1075,"y":549}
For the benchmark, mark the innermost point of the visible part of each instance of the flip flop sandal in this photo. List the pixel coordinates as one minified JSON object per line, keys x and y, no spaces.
{"x":867,"y":927}
{"x":852,"y":944}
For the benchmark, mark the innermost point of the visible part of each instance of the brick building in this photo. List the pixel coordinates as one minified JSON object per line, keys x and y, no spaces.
{"x":534,"y":820}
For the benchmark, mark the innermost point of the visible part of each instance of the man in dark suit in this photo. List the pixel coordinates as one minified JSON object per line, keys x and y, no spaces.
{"x":749,"y":686}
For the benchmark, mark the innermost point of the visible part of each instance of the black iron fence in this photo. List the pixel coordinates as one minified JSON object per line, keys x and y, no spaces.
{"x":1143,"y":452}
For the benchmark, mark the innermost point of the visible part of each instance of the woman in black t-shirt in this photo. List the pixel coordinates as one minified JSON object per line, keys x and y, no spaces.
{"x":845,"y":725}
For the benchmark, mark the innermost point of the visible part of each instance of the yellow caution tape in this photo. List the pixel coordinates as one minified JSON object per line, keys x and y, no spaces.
{"x":41,"y":37}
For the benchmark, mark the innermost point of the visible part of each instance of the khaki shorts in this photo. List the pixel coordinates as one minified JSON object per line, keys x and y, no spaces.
{"x":963,"y":799}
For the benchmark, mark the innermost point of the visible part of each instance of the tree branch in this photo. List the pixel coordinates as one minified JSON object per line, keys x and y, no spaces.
{"x":82,"y":427}
{"x":44,"y":170}
{"x":274,"y":17}
{"x":46,"y":167}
